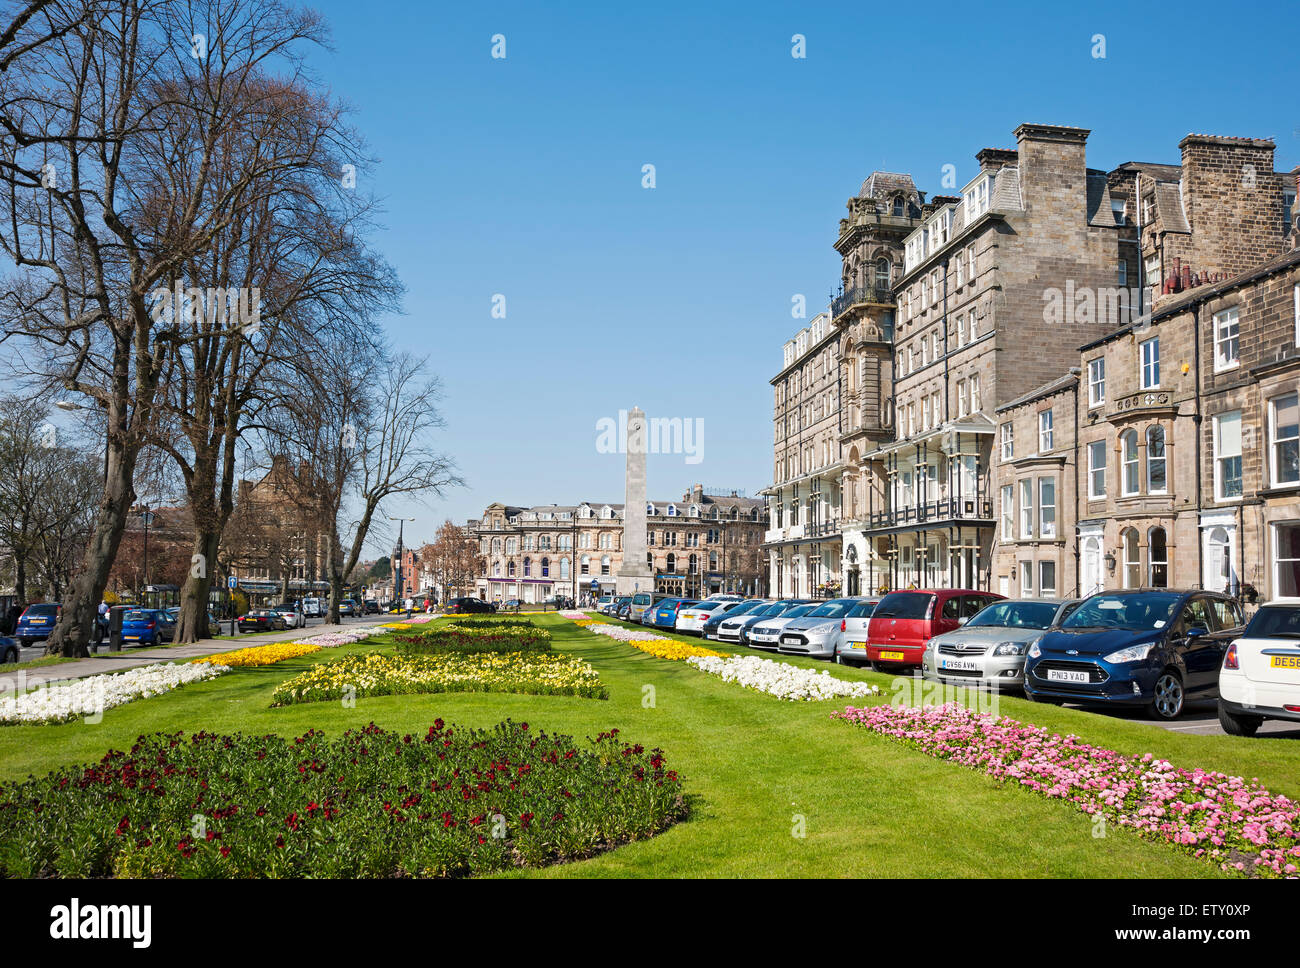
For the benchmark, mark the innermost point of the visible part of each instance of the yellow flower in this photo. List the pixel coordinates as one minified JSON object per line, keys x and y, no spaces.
{"x":260,"y":655}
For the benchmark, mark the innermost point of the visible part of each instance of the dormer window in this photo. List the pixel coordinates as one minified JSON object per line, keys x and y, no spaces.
{"x":977,"y":198}
{"x":898,"y":206}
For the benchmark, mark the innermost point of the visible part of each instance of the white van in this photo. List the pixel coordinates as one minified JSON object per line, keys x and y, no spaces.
{"x":313,"y":607}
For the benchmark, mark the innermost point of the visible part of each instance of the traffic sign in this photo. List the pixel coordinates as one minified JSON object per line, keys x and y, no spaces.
{"x":232,"y":582}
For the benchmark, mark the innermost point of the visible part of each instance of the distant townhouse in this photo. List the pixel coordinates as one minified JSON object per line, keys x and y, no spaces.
{"x":699,"y":545}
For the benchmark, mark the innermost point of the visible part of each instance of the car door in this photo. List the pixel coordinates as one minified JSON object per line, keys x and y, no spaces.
{"x":1193,"y":639}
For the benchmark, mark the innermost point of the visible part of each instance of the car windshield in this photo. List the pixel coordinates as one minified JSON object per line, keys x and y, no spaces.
{"x":1143,"y":612}
{"x":1274,"y":621}
{"x":742,"y":608}
{"x":1015,"y":615}
{"x":831,"y":610}
{"x":862,"y":610}
{"x":797,"y":611}
{"x":903,"y":605}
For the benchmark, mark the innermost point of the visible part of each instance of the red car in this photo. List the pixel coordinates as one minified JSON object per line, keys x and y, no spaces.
{"x":904,"y":621}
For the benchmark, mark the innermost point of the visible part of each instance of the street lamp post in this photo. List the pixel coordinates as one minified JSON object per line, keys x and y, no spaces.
{"x":399,"y":584}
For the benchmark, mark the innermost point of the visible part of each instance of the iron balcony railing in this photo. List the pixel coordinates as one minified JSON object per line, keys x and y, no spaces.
{"x":965,"y":509}
{"x":859,"y":294}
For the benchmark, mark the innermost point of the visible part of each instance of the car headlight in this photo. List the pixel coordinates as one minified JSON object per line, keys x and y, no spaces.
{"x":824,"y":628}
{"x":1134,"y":653}
{"x":1034,"y":650}
{"x":1009,"y":648}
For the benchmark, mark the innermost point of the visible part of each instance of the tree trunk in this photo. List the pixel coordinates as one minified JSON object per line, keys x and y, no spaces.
{"x":192,"y":623}
{"x":76,"y":625}
{"x":334,"y":565}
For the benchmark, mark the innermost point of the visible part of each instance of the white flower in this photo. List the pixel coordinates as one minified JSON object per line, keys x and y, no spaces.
{"x":624,"y":634}
{"x":61,"y":701}
{"x":781,"y":680}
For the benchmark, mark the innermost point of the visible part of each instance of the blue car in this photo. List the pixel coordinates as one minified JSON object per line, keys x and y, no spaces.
{"x":664,"y":614}
{"x":147,"y":626}
{"x":37,"y":622}
{"x":1150,"y":647}
{"x":8,"y":649}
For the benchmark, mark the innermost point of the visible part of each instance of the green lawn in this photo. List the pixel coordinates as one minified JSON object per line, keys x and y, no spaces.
{"x":754,"y":765}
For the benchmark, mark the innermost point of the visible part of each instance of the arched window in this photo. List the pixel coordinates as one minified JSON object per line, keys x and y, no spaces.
{"x":510,"y":569}
{"x":1156,"y":476}
{"x":882,"y":273}
{"x":1129,"y":457}
{"x":546,"y":567}
{"x":1157,"y":559}
{"x":564,"y":567}
{"x":1132,"y":558}
{"x":1090,"y":581}
{"x":672,"y":563}
{"x":898,"y":205}
{"x":496,"y":568}
{"x":585,"y":565}
{"x":693,"y":564}
{"x":496,"y":546}
{"x":510,"y":546}
{"x":604,"y":565}
{"x":528,"y":567}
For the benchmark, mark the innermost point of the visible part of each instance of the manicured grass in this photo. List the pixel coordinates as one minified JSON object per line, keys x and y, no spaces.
{"x":758,"y":769}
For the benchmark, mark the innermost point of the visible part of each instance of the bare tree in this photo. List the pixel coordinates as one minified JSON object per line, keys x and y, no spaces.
{"x":455,"y":558}
{"x":109,"y":191}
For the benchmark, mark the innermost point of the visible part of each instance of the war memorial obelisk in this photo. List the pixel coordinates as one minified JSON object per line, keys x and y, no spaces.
{"x":634,"y":574}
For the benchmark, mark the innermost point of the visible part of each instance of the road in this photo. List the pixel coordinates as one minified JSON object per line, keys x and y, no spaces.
{"x":1200,"y":718}
{"x":118,"y":661}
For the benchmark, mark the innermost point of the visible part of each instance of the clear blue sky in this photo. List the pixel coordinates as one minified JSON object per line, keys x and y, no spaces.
{"x":523,"y":177}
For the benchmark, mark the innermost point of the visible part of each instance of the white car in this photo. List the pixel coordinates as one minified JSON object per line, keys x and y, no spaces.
{"x":691,"y":618}
{"x":312,"y":607}
{"x":1260,"y":677}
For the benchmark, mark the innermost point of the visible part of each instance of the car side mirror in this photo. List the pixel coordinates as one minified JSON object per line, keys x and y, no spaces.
{"x":1196,"y":631}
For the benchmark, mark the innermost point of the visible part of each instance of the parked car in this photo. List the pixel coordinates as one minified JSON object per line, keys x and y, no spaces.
{"x":709,"y":629}
{"x":624,"y":608}
{"x":262,"y":620}
{"x":603,"y":603}
{"x":664,"y":615}
{"x":691,"y":619}
{"x":349,"y":606}
{"x":37,"y":622}
{"x":766,"y":633}
{"x":736,"y":629}
{"x":816,"y":633}
{"x":147,"y":626}
{"x":293,"y":615}
{"x":1149,"y":647}
{"x":1260,"y":678}
{"x":370,"y":606}
{"x":214,"y":625}
{"x":8,"y":649}
{"x":313,"y":607}
{"x":989,"y":650}
{"x":720,"y":597}
{"x":642,"y":603}
{"x":851,"y":645}
{"x":904,"y":621}
{"x":467,"y":606}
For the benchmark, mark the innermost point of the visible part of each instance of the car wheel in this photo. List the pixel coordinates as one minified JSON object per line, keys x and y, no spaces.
{"x":878,"y":666}
{"x":1167,"y":703}
{"x":25,"y":643}
{"x":1236,"y":725}
{"x":11,"y":655}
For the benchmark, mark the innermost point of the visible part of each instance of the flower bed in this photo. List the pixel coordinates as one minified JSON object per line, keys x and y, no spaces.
{"x":63,"y":701}
{"x":386,"y":674}
{"x":781,"y":679}
{"x":659,"y":646}
{"x":575,"y":616}
{"x":477,"y":637}
{"x":331,"y":640}
{"x":1212,"y":815}
{"x":366,"y":804}
{"x":260,"y":655}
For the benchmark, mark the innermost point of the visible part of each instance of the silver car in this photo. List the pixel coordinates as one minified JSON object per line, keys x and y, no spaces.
{"x":817,"y":633}
{"x":766,"y":634}
{"x":989,"y":649}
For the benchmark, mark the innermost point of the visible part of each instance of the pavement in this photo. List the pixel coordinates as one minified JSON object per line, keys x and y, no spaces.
{"x":119,"y":661}
{"x":1201,"y":718}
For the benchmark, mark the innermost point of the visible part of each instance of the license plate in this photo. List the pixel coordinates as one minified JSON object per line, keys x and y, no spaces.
{"x":128,"y":638}
{"x":859,"y":646}
{"x":38,"y":621}
{"x":1285,"y":661}
{"x":790,"y":639}
{"x":1061,"y":675}
{"x":965,"y":664}
{"x":892,"y":656}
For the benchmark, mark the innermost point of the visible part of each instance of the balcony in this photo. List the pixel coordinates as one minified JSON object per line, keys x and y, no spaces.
{"x":860,"y":296}
{"x":966,"y":509}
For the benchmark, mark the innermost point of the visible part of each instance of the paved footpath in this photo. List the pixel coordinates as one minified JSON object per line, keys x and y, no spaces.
{"x":118,"y":661}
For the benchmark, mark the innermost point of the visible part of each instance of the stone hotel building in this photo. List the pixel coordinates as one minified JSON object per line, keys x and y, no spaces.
{"x":1056,"y":380}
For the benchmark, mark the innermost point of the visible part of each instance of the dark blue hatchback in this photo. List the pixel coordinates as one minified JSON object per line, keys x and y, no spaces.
{"x":37,"y":622}
{"x":1140,"y":647}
